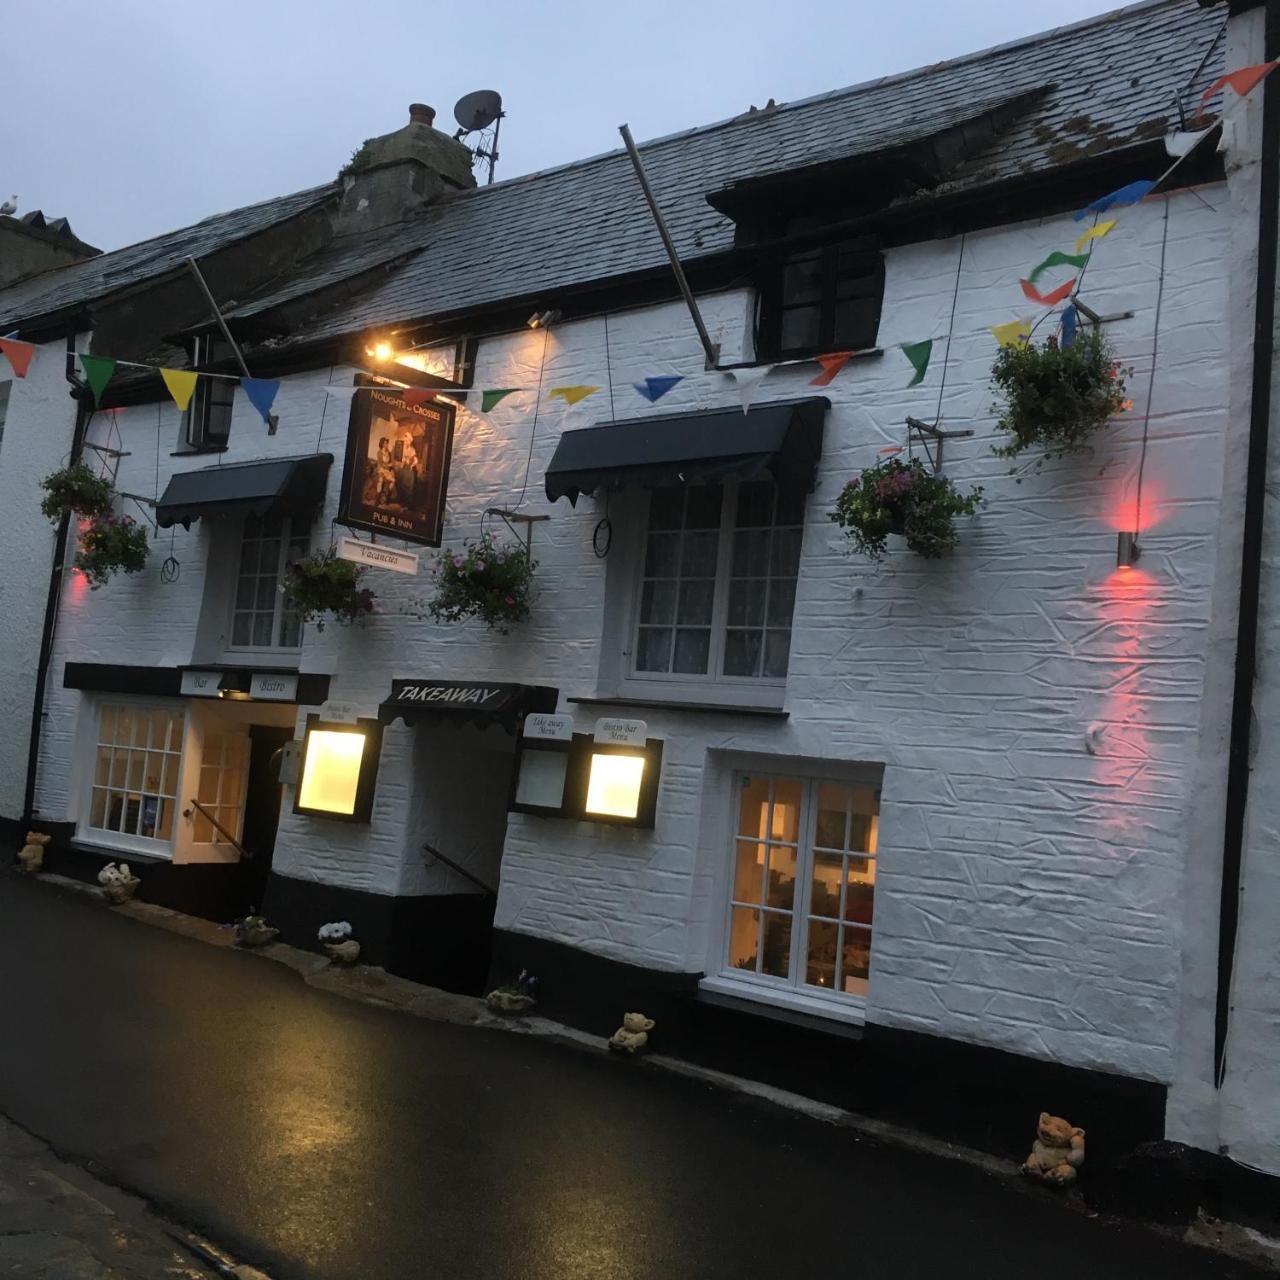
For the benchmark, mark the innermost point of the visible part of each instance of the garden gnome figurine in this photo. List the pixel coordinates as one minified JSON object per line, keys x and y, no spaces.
{"x":31,"y":855}
{"x":633,"y":1035}
{"x":1057,"y":1152}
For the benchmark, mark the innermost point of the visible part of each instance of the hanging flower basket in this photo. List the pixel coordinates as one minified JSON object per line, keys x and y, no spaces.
{"x":486,"y":580}
{"x":905,"y":498}
{"x":75,"y":490}
{"x":321,"y":584}
{"x":109,"y":545}
{"x":1054,"y":397}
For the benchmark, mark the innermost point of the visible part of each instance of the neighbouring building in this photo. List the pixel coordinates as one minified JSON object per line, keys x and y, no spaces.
{"x":857,"y":828}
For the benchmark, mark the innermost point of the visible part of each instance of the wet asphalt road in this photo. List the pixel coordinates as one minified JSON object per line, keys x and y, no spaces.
{"x":327,"y":1139}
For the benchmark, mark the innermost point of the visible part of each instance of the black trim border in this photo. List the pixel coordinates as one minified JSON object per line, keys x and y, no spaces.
{"x":166,"y":682}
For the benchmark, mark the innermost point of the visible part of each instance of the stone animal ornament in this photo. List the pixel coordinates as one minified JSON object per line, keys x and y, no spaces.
{"x":633,"y":1035}
{"x":31,"y":855}
{"x":118,"y":882}
{"x":1057,"y":1152}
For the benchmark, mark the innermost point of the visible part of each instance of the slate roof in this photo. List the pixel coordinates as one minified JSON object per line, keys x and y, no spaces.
{"x":1111,"y":83}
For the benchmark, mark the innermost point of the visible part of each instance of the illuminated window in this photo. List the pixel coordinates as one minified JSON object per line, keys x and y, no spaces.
{"x":133,"y":791}
{"x":224,"y":767}
{"x":614,"y":785}
{"x":803,"y":884}
{"x":339,"y":768}
{"x":261,"y":617}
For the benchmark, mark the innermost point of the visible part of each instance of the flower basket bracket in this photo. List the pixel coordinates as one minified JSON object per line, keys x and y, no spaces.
{"x":929,"y":431}
{"x":512,"y":518}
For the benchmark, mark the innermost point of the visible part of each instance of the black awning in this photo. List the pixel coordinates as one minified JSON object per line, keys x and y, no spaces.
{"x":782,"y":440}
{"x":279,"y":487}
{"x":483,"y":702}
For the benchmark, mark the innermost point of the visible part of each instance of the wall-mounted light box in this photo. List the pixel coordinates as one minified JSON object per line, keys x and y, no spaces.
{"x":339,"y":769}
{"x":609,"y":776}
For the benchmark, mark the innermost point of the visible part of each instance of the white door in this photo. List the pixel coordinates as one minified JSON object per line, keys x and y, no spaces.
{"x":213,"y":782}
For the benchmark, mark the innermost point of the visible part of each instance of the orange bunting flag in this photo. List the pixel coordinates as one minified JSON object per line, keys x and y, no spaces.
{"x":1047,"y":299}
{"x":831,"y":365}
{"x":1243,"y":81}
{"x":571,"y":395}
{"x":181,"y":384}
{"x":18,"y":354}
{"x":417,"y":395}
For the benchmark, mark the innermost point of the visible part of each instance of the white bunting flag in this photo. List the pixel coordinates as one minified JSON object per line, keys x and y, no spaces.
{"x":748,"y":381}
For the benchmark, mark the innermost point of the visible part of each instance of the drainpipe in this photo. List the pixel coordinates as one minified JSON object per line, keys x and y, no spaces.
{"x":84,"y":411}
{"x":1251,"y":554}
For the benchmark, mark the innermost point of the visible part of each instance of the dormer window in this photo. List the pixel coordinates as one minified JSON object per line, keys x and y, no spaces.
{"x":207,"y":421}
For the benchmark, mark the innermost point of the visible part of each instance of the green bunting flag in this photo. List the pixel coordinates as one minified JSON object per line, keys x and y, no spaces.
{"x":1058,"y":259}
{"x":918,"y":353}
{"x":490,"y":398}
{"x":97,"y":373}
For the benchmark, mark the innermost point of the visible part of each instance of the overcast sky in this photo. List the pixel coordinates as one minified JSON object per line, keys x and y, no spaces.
{"x":132,"y":117}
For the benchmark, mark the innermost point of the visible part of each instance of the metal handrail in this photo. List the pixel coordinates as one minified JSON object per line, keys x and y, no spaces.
{"x":220,"y":829}
{"x":462,"y":871}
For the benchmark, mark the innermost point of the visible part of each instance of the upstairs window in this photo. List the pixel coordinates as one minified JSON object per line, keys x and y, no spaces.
{"x":718,"y":583}
{"x":261,"y":617}
{"x":207,"y":422}
{"x":821,"y":299}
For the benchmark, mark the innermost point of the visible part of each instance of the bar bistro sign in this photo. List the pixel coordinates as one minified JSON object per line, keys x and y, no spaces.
{"x":397,"y":468}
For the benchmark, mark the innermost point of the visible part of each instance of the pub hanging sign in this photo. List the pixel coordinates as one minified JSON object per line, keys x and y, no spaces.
{"x":396,"y":475}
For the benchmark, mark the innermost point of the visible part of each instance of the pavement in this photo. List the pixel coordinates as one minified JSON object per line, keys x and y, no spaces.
{"x":324,"y":1138}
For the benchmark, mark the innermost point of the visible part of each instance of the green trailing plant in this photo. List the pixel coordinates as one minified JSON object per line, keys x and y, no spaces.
{"x":361,"y":158}
{"x":906,"y":498}
{"x":109,"y":545}
{"x":75,"y":490}
{"x":1054,"y":397}
{"x":321,"y":584}
{"x":486,"y":580}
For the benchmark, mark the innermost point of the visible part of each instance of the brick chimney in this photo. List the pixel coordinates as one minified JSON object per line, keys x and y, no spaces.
{"x":393,"y":176}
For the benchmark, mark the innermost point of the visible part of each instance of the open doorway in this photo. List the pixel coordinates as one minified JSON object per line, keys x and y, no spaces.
{"x":261,"y":810}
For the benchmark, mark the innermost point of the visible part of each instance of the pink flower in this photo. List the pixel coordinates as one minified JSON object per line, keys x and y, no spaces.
{"x":510,"y":600}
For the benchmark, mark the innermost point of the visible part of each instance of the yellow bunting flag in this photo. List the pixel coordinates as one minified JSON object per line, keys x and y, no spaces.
{"x":181,"y":384}
{"x":1094,"y":233}
{"x":1014,"y":333}
{"x":571,"y":395}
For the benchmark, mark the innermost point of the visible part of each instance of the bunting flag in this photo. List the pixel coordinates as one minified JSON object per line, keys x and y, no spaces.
{"x":488,"y":399}
{"x":1130,"y":194}
{"x":571,"y":395}
{"x":918,"y":353}
{"x":1070,"y":323}
{"x":97,"y":373}
{"x":262,"y":394}
{"x":1047,"y":299}
{"x":1181,"y":145}
{"x":1243,"y":80}
{"x":423,"y":395}
{"x":18,"y":354}
{"x":653,"y":389}
{"x":1013,"y":333}
{"x":1094,"y":233}
{"x":748,"y":381}
{"x":1059,"y":259}
{"x":181,"y":384}
{"x":831,"y":365}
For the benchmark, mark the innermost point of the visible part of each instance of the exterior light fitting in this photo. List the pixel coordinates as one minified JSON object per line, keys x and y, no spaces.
{"x":543,"y":319}
{"x":231,"y":687}
{"x":338,"y":769}
{"x":1127,"y":550}
{"x":613,"y":785}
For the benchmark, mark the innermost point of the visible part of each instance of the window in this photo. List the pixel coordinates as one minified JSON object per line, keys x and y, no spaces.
{"x":207,"y":422}
{"x":224,"y":761}
{"x":822,"y":299}
{"x":261,"y":617}
{"x":4,"y":407}
{"x":803,"y":884}
{"x":718,"y":582}
{"x":135,"y":772}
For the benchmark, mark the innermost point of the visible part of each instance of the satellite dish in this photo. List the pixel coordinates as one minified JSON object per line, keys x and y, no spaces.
{"x":478,"y":110}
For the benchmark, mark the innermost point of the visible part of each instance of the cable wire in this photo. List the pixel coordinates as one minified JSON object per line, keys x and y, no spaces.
{"x":1151,"y":380}
{"x":533,"y":429}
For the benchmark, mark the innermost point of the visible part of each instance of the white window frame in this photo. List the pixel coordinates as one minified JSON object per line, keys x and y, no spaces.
{"x":287,"y":535}
{"x":146,"y":846}
{"x":790,"y":993}
{"x":709,"y":686}
{"x":208,"y":392}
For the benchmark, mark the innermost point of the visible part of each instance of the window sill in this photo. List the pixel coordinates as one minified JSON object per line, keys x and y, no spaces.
{"x":195,"y":451}
{"x":680,"y":704}
{"x":119,"y":850}
{"x":789,"y":1006}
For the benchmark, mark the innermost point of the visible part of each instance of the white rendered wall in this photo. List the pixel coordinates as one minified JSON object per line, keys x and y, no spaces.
{"x":1029,"y":892}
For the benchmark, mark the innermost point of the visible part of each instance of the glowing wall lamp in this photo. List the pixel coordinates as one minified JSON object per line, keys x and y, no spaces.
{"x":338,"y":770}
{"x":618,"y":780}
{"x":1127,"y":550}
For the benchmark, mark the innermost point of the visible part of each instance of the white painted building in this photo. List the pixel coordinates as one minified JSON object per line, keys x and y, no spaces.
{"x":1018,"y":752}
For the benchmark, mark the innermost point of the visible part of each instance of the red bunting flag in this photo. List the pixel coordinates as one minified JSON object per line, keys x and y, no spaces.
{"x":1243,"y":81}
{"x":417,"y":395}
{"x":19,"y":355}
{"x":1047,"y":299}
{"x":831,"y":365}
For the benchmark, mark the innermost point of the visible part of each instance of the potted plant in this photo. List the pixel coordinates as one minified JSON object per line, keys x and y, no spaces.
{"x":906,"y":498}
{"x":254,"y":931}
{"x":75,"y":490}
{"x":118,"y":883}
{"x":1056,"y":397}
{"x":514,"y":997}
{"x":486,"y":580}
{"x":337,"y":941}
{"x":321,"y":584}
{"x":111,"y":544}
